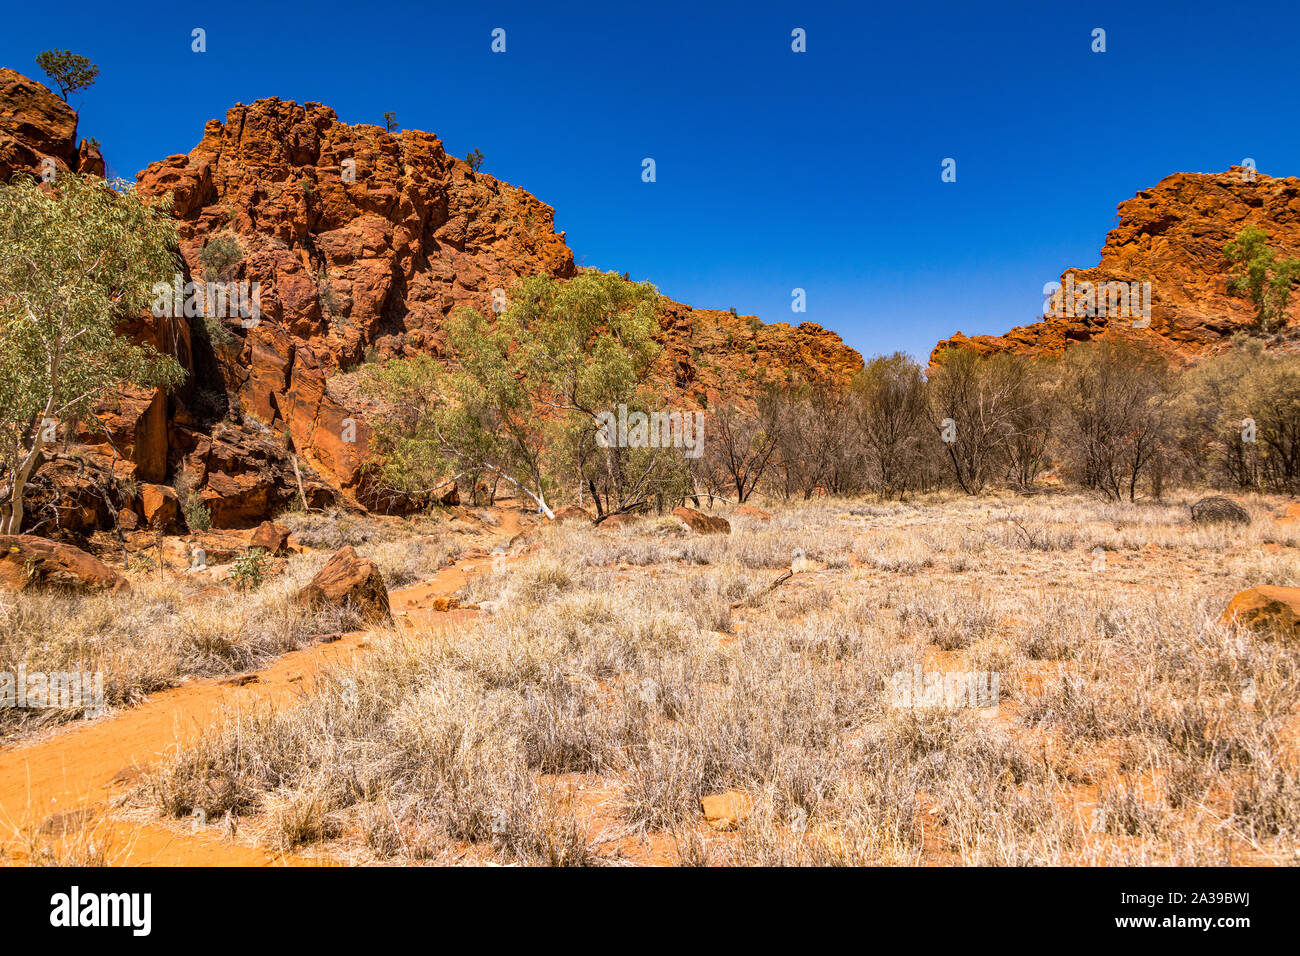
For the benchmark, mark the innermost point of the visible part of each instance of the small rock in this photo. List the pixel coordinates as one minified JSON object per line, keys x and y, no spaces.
{"x":242,"y":680}
{"x":751,"y":512}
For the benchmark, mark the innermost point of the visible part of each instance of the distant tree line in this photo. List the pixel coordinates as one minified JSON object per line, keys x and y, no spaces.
{"x":1109,"y":416}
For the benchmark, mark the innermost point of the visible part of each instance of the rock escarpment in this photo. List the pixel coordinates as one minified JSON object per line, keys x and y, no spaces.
{"x":360,"y":243}
{"x":1172,"y":236}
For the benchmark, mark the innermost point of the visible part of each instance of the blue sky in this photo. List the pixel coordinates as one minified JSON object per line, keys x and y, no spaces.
{"x":775,"y":170}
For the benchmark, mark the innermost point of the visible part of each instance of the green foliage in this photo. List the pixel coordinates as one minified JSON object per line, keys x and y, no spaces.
{"x":197,"y":515}
{"x":475,"y":160}
{"x":1265,"y":277}
{"x":390,"y":121}
{"x":249,"y":570}
{"x":221,"y":254}
{"x":524,"y":387}
{"x":73,"y":262}
{"x":71,"y":72}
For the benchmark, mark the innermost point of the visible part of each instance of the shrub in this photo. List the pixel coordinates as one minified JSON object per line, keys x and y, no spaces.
{"x":249,"y":569}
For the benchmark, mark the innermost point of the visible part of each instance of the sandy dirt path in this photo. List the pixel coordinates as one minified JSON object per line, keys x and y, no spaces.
{"x":69,"y":780}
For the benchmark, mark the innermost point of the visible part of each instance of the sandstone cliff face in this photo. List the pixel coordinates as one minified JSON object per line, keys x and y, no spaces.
{"x":35,"y":124}
{"x":361,"y":244}
{"x":1172,"y":236}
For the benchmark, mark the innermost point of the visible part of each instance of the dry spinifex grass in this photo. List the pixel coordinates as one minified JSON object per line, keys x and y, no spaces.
{"x":1132,"y":727}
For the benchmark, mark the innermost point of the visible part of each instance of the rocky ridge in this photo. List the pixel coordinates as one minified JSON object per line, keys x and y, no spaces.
{"x":361,"y":242}
{"x":1172,"y":235}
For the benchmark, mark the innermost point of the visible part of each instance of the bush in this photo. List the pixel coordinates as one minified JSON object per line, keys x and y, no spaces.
{"x":249,"y":569}
{"x":197,"y":515}
{"x":220,"y":255}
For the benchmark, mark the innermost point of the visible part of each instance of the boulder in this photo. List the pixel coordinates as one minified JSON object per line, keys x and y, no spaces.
{"x":701,"y":523}
{"x":1267,"y":609}
{"x":272,"y":537}
{"x":349,"y":581}
{"x":614,"y":522}
{"x":1219,"y":510}
{"x":30,"y":562}
{"x":571,"y":513}
{"x":749,"y":511}
{"x":160,"y":506}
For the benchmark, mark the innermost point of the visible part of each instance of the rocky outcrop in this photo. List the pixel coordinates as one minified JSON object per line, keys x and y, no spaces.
{"x":1172,"y":236}
{"x":357,"y":244}
{"x":27,"y":562}
{"x":35,"y":125}
{"x":363,"y":242}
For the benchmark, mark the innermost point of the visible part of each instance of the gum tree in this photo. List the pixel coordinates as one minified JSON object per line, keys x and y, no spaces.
{"x":71,"y":72}
{"x":1266,"y":278}
{"x":975,"y":405}
{"x":74,"y":259}
{"x":524,"y":390}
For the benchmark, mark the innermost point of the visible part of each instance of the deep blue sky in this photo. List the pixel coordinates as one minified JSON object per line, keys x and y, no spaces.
{"x":776,"y":170}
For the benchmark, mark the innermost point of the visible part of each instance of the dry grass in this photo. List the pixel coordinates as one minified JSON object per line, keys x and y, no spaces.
{"x":152,"y":637}
{"x":613,"y":687}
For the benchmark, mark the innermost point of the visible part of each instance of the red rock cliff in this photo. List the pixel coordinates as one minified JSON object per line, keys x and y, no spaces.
{"x":362,"y":242}
{"x":1172,"y":236}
